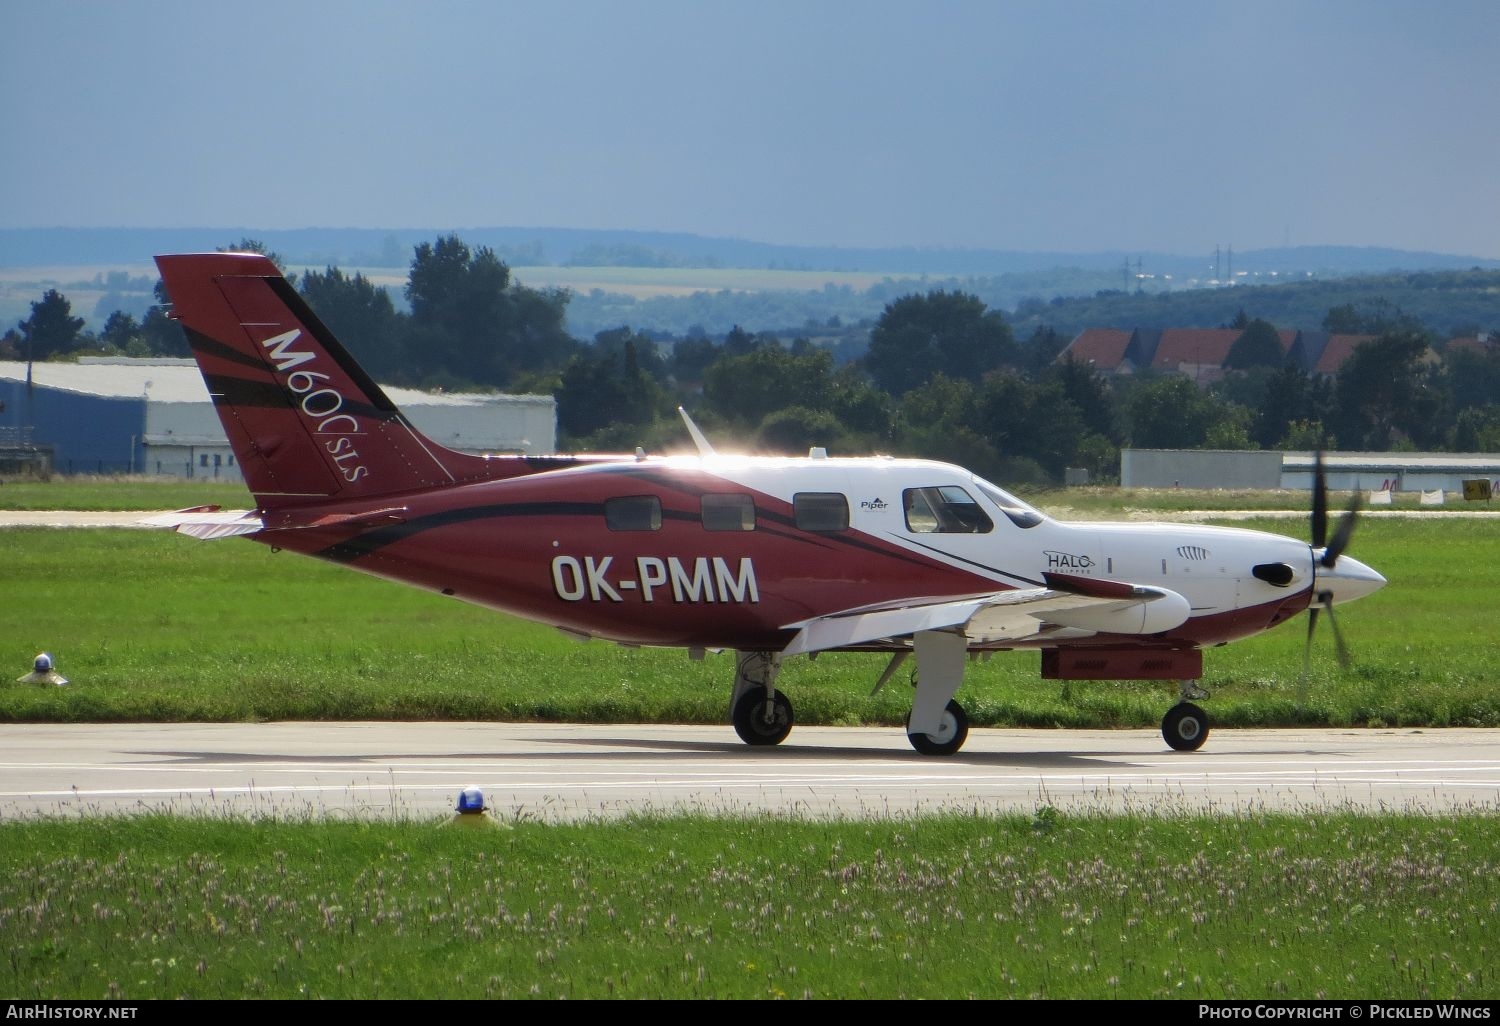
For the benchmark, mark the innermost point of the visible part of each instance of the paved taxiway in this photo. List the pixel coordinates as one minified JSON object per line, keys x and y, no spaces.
{"x":560,"y":772}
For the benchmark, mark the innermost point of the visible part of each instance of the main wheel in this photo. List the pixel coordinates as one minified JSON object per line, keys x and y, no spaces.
{"x":953,"y":730}
{"x":757,"y":725}
{"x":1185,"y":727}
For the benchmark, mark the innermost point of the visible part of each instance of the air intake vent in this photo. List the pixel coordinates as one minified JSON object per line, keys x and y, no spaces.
{"x":1278,"y":574}
{"x":1192,"y":552}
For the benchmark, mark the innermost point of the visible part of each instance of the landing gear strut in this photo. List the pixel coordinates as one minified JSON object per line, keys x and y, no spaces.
{"x":1185,"y":727}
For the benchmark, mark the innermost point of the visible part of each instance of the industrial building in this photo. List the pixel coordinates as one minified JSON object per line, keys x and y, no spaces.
{"x":1345,"y":471}
{"x":126,"y":416}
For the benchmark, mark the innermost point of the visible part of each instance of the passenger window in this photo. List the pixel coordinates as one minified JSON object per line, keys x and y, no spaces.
{"x":821,"y":511}
{"x":633,"y":513}
{"x":945,"y":509}
{"x":728,"y":512}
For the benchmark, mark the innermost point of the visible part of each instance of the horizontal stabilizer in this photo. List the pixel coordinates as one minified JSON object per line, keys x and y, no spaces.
{"x":207,"y":523}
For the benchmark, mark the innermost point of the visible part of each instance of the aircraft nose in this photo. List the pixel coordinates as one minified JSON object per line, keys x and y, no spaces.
{"x":1349,"y":579}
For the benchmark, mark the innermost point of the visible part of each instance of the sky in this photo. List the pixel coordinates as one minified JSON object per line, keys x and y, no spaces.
{"x":1159,"y":126}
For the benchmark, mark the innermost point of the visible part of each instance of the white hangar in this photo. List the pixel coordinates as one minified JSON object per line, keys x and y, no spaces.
{"x":126,"y":416}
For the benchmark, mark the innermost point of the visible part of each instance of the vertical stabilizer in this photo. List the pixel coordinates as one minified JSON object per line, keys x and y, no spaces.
{"x":307,"y":424}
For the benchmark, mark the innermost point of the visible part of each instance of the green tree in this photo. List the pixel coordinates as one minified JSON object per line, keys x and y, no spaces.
{"x":1306,"y":435}
{"x":1343,"y":320}
{"x":605,"y":391}
{"x":796,"y":429}
{"x":51,"y":330}
{"x":249,"y":245}
{"x":1470,"y":378}
{"x":120,"y":331}
{"x":1170,"y":412}
{"x":1290,"y":396}
{"x":950,"y":333}
{"x":746,"y":388}
{"x":1259,"y":345}
{"x":1042,"y":349}
{"x":470,"y":324}
{"x":1477,"y":429}
{"x":935,"y":421}
{"x":1383,"y":394}
{"x":645,"y":352}
{"x":361,"y":314}
{"x":1089,"y":391}
{"x":865,"y":411}
{"x":1037,"y":422}
{"x":691,"y":357}
{"x":162,"y":335}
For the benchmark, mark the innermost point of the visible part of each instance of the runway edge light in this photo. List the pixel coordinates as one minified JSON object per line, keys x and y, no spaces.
{"x":42,"y":672}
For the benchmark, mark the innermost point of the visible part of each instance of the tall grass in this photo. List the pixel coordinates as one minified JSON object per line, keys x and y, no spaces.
{"x":1328,"y":905}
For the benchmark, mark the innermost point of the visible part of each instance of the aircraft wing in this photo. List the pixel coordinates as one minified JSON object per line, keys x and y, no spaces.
{"x":1068,"y":607}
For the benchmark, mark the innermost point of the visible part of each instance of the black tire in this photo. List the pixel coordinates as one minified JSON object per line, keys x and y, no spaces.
{"x":952,"y":733}
{"x":752,"y":724}
{"x":1185,"y":727}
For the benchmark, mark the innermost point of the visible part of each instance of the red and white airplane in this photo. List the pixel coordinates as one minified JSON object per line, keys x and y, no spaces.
{"x":770,"y":557}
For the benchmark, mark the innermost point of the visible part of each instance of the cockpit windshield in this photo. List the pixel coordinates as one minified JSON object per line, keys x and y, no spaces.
{"x":1019,"y":512}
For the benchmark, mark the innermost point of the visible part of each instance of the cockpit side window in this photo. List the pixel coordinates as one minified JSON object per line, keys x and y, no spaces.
{"x":944,"y":509}
{"x":1014,"y":509}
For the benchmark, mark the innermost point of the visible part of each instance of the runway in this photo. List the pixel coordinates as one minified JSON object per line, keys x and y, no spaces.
{"x":562,"y":773}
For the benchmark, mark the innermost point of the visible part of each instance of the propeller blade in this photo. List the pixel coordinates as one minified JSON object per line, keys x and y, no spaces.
{"x":1338,"y":638}
{"x":1342,"y":534}
{"x":1320,"y":503}
{"x":1312,"y":626}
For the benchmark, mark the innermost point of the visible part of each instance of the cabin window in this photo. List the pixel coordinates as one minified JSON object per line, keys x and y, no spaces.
{"x":944,"y":509}
{"x":821,"y":511}
{"x":728,"y":512}
{"x":633,"y":513}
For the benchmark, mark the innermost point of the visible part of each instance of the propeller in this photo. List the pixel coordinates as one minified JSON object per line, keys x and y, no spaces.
{"x":1322,"y":598}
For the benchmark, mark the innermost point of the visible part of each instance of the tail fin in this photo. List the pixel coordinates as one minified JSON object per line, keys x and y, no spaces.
{"x":306,"y":423}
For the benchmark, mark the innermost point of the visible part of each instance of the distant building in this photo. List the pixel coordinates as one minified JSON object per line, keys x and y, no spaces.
{"x":126,"y":416}
{"x":1199,"y":353}
{"x":1485,"y":344}
{"x":1296,"y":471}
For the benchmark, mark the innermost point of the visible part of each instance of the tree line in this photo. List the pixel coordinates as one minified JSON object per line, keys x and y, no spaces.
{"x":940,"y":375}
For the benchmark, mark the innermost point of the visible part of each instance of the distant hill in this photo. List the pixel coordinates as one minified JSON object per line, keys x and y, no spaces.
{"x":392,"y":248}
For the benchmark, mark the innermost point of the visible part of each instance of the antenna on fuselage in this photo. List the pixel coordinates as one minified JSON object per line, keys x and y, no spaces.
{"x":704,"y":449}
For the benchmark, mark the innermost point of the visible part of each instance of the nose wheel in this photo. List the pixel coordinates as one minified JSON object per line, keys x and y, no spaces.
{"x":1185,"y":727}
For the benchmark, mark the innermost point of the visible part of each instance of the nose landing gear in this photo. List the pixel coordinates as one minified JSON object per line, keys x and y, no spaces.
{"x":1185,"y":726}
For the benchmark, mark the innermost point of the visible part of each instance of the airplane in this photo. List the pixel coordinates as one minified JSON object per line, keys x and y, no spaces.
{"x":770,"y":557}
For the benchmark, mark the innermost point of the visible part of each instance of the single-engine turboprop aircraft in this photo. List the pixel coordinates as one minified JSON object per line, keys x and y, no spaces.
{"x":769,"y":557}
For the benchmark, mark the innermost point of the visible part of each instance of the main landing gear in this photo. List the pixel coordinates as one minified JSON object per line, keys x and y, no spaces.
{"x":938,"y":725}
{"x":953,"y":730}
{"x":1185,"y":727}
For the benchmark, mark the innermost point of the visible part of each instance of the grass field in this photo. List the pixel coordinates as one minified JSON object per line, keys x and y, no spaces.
{"x":1018,"y":906}
{"x":156,"y":627}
